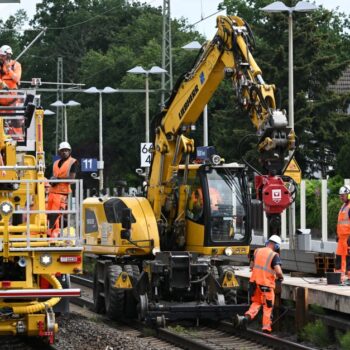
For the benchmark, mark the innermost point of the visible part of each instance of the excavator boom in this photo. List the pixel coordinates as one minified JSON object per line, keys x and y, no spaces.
{"x":227,"y":56}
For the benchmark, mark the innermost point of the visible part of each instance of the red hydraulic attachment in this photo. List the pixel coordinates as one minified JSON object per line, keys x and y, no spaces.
{"x":273,"y":193}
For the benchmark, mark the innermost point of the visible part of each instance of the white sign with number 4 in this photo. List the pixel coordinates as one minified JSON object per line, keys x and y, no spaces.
{"x":146,"y":154}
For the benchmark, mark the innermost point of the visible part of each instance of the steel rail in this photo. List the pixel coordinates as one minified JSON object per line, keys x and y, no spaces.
{"x":224,"y":331}
{"x":262,"y":338}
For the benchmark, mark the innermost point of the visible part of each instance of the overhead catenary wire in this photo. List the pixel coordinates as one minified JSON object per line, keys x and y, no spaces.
{"x":60,"y":28}
{"x":93,"y":18}
{"x":82,"y":22}
{"x":204,"y":18}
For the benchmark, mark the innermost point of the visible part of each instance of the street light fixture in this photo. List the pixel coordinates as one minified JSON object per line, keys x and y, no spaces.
{"x":100,"y":164}
{"x":193,"y":45}
{"x":48,"y":112}
{"x":70,"y":103}
{"x":141,"y":70}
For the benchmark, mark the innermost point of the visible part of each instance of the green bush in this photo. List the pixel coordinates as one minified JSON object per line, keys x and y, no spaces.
{"x":313,"y":204}
{"x":315,"y":333}
{"x":317,"y":309}
{"x":344,"y":341}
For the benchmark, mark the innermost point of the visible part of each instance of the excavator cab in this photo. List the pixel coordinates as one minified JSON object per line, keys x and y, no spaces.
{"x":228,"y":206}
{"x":217,"y":209}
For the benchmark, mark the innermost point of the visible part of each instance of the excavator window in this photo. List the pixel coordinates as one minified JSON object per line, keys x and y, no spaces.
{"x":227,"y":209}
{"x":114,"y":211}
{"x":195,"y":203}
{"x":90,"y":221}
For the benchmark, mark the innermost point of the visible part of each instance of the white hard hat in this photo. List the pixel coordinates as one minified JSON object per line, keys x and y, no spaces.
{"x":2,"y":53}
{"x":275,"y":239}
{"x":7,"y":49}
{"x":64,"y":145}
{"x":344,"y":190}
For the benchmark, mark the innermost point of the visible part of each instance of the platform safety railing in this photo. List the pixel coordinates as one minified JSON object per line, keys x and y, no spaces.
{"x":28,"y":236}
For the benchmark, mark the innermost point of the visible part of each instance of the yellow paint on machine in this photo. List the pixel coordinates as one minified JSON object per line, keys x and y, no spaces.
{"x":103,"y":237}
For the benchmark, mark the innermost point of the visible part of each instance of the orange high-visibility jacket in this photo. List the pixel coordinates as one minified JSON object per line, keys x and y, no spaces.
{"x":62,"y":173}
{"x":215,"y":198}
{"x":12,"y":76}
{"x":343,"y":225}
{"x":262,"y":273}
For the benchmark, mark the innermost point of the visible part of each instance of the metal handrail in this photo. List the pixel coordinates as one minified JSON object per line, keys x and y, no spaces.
{"x":65,"y":240}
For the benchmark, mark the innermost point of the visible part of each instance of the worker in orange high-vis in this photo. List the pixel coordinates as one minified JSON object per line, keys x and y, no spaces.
{"x":342,"y":257}
{"x":266,"y":268}
{"x":10,"y":75}
{"x":11,"y":70}
{"x":64,"y":168}
{"x":3,"y":85}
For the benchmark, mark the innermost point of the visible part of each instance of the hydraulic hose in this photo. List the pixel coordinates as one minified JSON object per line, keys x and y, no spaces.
{"x":39,"y":306}
{"x":250,"y":166}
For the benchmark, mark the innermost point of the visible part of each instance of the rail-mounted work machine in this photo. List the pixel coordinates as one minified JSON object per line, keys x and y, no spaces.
{"x":34,"y":267}
{"x":164,"y":257}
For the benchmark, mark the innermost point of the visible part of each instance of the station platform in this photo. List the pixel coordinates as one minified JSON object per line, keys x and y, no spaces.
{"x":317,"y":291}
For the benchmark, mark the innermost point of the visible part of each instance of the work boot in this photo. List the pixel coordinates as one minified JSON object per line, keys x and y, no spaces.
{"x":267,"y":331}
{"x":240,"y":321}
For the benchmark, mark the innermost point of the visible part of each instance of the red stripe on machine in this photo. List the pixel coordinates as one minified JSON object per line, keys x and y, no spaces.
{"x":40,"y":293}
{"x":70,"y":259}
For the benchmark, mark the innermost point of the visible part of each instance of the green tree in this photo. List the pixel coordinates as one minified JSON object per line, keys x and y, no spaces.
{"x":99,"y":42}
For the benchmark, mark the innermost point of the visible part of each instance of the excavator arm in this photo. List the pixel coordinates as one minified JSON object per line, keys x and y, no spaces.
{"x":228,"y":56}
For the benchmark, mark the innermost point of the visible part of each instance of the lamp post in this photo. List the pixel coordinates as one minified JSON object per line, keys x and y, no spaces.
{"x":195,"y":46}
{"x":276,"y":7}
{"x":70,"y":103}
{"x":141,"y":70}
{"x":100,"y":164}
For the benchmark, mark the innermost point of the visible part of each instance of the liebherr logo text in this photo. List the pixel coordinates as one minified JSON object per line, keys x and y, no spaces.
{"x":188,"y":101}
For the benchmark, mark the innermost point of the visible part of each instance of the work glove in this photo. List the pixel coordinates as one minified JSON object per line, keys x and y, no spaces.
{"x":53,"y":184}
{"x":3,"y":85}
{"x":7,"y":68}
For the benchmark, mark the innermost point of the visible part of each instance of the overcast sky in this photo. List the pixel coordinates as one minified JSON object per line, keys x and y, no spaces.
{"x":193,"y":10}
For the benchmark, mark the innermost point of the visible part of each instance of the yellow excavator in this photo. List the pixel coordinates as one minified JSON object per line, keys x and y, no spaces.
{"x":165,"y":257}
{"x":34,"y":267}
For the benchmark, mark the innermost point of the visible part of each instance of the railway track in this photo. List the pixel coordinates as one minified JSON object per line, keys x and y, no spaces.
{"x":218,"y":336}
{"x":24,"y":343}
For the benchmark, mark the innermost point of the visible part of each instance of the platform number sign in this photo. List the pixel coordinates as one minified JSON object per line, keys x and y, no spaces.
{"x":146,"y":154}
{"x":88,"y":164}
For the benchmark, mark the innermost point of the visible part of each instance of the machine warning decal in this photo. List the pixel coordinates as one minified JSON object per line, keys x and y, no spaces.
{"x":276,"y":195}
{"x":202,"y":78}
{"x":106,"y":228}
{"x":188,"y":101}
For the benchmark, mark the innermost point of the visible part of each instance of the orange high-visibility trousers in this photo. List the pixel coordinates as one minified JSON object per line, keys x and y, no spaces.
{"x":342,"y":261}
{"x":264,"y":297}
{"x":56,"y":201}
